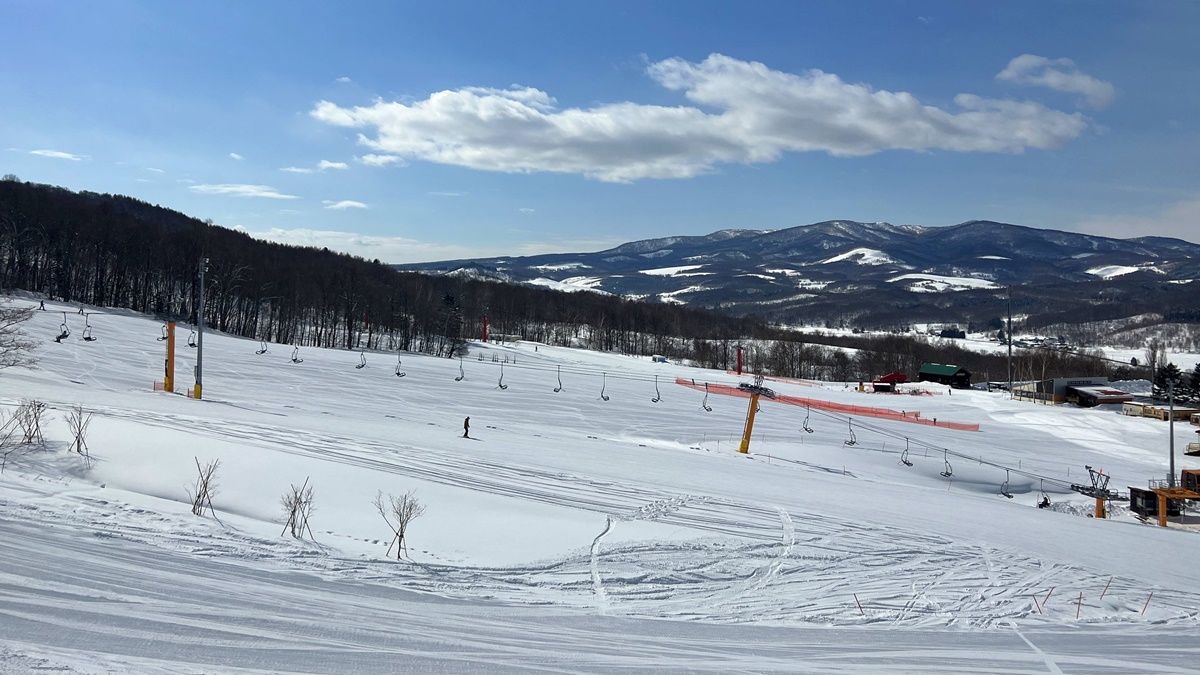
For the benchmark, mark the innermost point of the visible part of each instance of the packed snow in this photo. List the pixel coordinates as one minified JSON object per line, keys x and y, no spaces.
{"x":588,"y":530}
{"x":862,"y":256}
{"x":932,"y":283}
{"x":1111,"y":271}
{"x":571,"y":284}
{"x":670,"y":271}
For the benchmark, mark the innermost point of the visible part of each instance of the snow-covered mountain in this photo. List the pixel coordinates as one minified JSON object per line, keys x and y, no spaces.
{"x":811,"y":269}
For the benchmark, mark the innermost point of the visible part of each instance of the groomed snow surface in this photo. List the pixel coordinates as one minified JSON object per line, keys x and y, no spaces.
{"x":572,"y":534}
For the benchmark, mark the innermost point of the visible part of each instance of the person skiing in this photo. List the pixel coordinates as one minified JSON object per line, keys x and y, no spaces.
{"x":467,"y":427}
{"x":43,"y":306}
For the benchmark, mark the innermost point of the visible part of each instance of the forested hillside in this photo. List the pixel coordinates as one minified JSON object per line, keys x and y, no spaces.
{"x":116,"y":251}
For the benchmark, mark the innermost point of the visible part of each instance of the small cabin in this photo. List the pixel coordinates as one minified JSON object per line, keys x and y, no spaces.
{"x":1145,"y":503}
{"x":658,"y":358}
{"x":888,"y":382}
{"x":955,"y":376}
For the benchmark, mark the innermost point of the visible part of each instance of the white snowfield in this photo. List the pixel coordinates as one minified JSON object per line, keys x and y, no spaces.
{"x":572,"y":534}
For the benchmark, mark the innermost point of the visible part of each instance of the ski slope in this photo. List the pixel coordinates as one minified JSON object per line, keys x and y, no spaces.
{"x":570,"y":533}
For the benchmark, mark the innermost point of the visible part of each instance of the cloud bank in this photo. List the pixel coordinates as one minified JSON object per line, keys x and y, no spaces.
{"x":56,"y":154}
{"x":742,"y":112}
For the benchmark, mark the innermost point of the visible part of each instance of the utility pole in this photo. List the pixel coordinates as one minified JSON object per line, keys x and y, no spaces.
{"x":200,"y":332}
{"x":1008,"y":334}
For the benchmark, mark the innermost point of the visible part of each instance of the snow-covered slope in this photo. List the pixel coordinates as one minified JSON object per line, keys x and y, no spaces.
{"x":571,"y":533}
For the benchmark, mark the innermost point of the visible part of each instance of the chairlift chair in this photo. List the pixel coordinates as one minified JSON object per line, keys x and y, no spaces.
{"x":904,"y":455}
{"x":263,"y":348}
{"x":192,"y":339}
{"x":1043,"y":498}
{"x":1004,"y":486}
{"x":949,"y":471}
{"x":807,"y":414}
{"x":704,"y":403}
{"x":462,"y":375}
{"x":657,"y":394}
{"x":603,"y":383}
{"x":87,"y":329}
{"x":559,"y":387}
{"x":852,"y":440}
{"x":296,"y":355}
{"x":164,"y":334}
{"x":501,"y":385}
{"x":399,"y":373}
{"x":64,"y":331}
{"x":362,"y":361}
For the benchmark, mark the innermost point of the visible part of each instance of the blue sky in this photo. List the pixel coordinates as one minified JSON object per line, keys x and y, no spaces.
{"x":424,"y":131}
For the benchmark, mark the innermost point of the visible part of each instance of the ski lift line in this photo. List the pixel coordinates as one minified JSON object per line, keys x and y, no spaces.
{"x":947,"y":452}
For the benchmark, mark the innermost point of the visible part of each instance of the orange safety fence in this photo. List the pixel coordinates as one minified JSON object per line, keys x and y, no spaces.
{"x":910,"y":416}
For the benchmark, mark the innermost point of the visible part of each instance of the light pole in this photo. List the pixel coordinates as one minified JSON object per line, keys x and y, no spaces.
{"x":1008,"y":334}
{"x":200,"y":332}
{"x":1171,"y":427}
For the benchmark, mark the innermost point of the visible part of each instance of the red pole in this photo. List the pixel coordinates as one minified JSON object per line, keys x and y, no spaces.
{"x":860,"y":611}
{"x":1147,"y":602}
{"x":1080,"y":605}
{"x":1106,"y":588}
{"x":485,"y":328}
{"x":739,"y":370}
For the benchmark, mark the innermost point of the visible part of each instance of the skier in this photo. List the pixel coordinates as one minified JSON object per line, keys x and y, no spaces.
{"x":467,"y":427}
{"x":43,"y":306}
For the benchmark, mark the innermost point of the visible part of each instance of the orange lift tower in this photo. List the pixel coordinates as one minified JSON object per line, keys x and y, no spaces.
{"x":755,"y":390}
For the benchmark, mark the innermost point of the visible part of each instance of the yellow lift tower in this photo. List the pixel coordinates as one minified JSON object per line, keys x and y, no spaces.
{"x":755,"y":390}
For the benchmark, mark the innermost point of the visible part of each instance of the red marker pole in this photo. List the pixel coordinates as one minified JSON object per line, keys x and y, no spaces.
{"x":485,"y":328}
{"x":1080,"y":605}
{"x":739,"y":364}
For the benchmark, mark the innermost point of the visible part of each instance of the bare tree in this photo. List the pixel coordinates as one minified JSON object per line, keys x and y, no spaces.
{"x":77,"y":422}
{"x":8,"y":444}
{"x":205,"y":488}
{"x":402,"y":510}
{"x":15,"y":346}
{"x":298,"y":506}
{"x":29,"y":419}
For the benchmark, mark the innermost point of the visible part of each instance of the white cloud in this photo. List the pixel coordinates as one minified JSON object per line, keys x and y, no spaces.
{"x":236,"y":156}
{"x":344,"y":204}
{"x":56,"y":154}
{"x":404,"y":250}
{"x":381,"y":160}
{"x":448,"y":194}
{"x":297,"y":169}
{"x":344,"y":80}
{"x":326,"y":164}
{"x":525,"y":210}
{"x":744,"y":112}
{"x":150,"y":168}
{"x":242,"y":190}
{"x":1059,"y":75}
{"x":1173,"y":220}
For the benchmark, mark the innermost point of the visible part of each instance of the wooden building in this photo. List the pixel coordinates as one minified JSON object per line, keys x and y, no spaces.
{"x":955,"y":376}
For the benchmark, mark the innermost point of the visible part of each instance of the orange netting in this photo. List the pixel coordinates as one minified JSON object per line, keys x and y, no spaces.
{"x":910,"y":416}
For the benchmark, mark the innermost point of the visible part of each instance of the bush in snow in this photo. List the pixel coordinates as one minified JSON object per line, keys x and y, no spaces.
{"x":205,"y":488}
{"x":298,"y":506}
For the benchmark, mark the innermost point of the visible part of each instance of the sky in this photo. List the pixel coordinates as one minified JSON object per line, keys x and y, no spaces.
{"x":411,"y":132}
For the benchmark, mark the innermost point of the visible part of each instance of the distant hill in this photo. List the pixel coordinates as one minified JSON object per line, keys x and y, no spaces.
{"x":876,"y":274}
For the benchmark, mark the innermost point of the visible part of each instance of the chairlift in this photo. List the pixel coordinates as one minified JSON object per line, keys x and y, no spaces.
{"x":657,"y":394}
{"x":603,"y":384}
{"x":362,"y":360}
{"x":949,"y":470}
{"x":852,"y":440}
{"x":904,"y":455}
{"x":164,"y":335}
{"x":807,"y":414}
{"x":462,"y":374}
{"x":87,"y":329}
{"x":399,"y":373}
{"x":704,"y":403}
{"x":1043,"y":498}
{"x":501,"y":384}
{"x":296,"y":355}
{"x":559,"y":387}
{"x":263,"y":349}
{"x":64,"y":331}
{"x":1004,"y":486}
{"x":192,"y":338}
